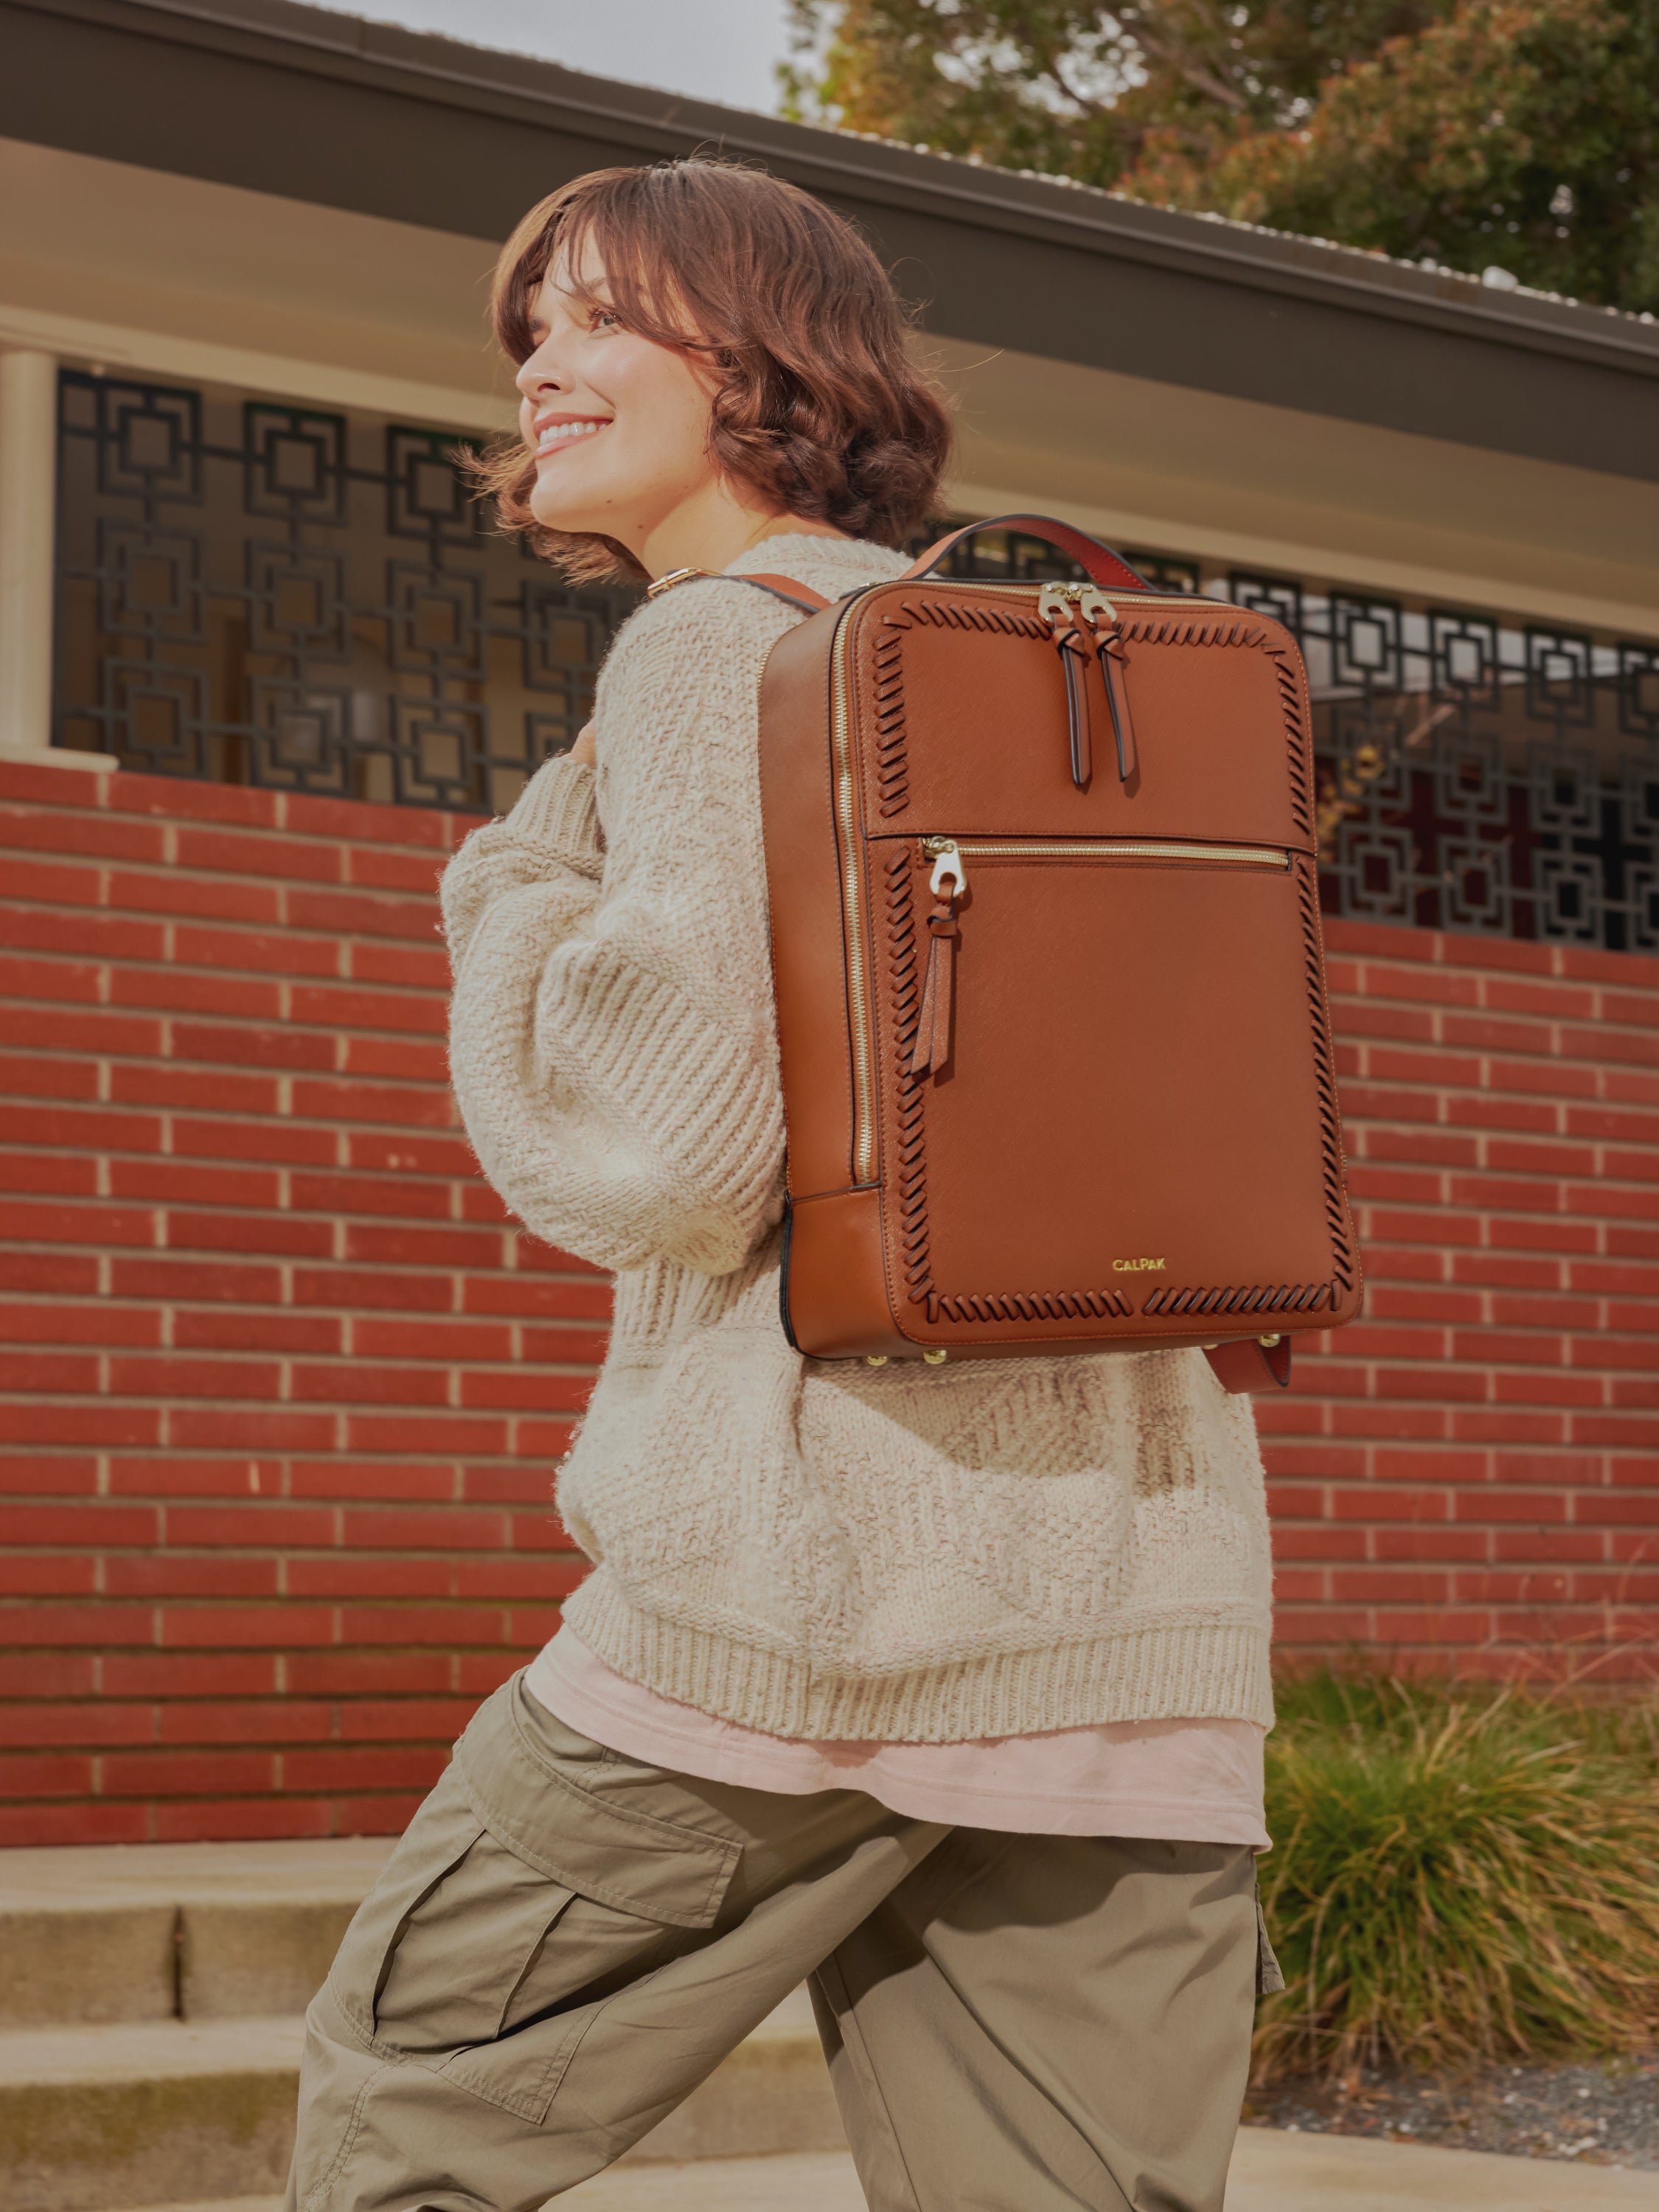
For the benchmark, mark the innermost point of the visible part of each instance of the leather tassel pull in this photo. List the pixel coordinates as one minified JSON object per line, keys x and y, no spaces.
{"x":1113,"y":660}
{"x":1074,"y":659}
{"x":938,"y":994}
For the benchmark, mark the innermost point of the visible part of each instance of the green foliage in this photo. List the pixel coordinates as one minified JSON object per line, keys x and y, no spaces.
{"x":1519,"y":134}
{"x":1458,"y":1876}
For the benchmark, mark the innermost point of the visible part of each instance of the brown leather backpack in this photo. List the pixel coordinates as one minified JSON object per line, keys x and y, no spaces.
{"x":1057,"y":1064}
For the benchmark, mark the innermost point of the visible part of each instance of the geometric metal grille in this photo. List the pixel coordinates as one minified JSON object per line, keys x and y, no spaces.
{"x":1475,"y":773}
{"x":305,"y":600}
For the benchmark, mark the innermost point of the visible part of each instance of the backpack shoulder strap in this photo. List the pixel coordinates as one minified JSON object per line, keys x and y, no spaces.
{"x":780,"y":587}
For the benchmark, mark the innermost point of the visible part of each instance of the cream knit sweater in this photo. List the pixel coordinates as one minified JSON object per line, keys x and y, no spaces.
{"x":814,"y":1548}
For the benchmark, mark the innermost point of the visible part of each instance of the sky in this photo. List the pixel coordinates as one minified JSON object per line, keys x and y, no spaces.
{"x":721,"y":50}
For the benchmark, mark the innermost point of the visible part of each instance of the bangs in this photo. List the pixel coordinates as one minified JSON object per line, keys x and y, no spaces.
{"x":610,"y":218}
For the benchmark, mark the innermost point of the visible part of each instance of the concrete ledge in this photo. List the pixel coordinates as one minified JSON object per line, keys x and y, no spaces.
{"x":158,"y":1931}
{"x":94,"y":2117}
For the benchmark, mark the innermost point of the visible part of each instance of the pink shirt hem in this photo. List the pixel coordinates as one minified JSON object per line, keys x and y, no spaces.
{"x":1180,"y":1781}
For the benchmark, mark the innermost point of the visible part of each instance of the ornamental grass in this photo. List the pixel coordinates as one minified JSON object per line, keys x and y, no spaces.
{"x":1458,"y":1876}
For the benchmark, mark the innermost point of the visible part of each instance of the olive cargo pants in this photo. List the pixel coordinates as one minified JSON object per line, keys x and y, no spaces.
{"x":565,"y":1941}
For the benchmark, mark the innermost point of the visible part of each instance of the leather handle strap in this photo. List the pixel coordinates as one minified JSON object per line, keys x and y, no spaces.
{"x":1250,"y":1364}
{"x":1108,"y":569}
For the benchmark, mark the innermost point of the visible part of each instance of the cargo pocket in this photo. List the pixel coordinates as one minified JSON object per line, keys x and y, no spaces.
{"x":531,"y":1902}
{"x":1269,"y":1975}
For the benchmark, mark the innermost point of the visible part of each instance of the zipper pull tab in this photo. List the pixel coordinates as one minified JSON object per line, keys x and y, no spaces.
{"x":950,"y":876}
{"x":937,"y":1014}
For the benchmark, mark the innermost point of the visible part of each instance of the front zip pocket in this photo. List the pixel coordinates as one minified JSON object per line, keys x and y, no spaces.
{"x":949,"y":879}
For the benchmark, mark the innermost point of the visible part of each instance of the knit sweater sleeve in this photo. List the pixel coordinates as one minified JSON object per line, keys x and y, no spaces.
{"x":612,"y":1036}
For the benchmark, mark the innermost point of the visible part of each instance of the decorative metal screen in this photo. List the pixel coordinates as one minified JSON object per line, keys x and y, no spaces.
{"x":305,"y":600}
{"x":1476,"y":772}
{"x":309,"y":601}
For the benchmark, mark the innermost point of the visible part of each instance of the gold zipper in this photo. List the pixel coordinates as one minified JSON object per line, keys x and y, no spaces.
{"x":858,"y":980}
{"x":949,"y":854}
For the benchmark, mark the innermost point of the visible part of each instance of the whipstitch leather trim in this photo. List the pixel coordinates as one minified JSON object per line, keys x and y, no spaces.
{"x":892,"y":766}
{"x":1282,"y":1298}
{"x":910,"y":1129}
{"x":1344,"y":1265}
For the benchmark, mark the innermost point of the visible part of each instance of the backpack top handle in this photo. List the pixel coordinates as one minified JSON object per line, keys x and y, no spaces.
{"x":1108,"y":569}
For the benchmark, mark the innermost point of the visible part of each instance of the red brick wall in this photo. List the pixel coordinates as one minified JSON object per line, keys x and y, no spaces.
{"x":285,"y":1388}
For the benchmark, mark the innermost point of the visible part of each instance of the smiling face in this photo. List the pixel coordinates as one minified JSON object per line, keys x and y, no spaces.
{"x":619,"y":424}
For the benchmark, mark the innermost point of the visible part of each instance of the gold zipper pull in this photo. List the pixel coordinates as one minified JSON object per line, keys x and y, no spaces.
{"x":949,"y":877}
{"x":1074,"y":606}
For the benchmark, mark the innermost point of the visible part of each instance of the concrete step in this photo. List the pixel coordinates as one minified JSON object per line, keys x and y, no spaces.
{"x":166,"y":1931}
{"x":93,"y":2117}
{"x":1271,"y":2172}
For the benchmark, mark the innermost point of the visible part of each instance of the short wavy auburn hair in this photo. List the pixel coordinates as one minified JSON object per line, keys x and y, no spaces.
{"x":818,"y":404}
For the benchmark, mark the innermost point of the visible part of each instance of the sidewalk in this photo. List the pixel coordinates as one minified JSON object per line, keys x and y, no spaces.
{"x":1271,"y":2172}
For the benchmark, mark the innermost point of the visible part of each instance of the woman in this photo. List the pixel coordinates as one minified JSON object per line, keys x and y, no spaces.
{"x":944,"y":1688}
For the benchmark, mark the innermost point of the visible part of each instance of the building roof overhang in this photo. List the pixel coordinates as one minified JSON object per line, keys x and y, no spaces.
{"x":327,"y":108}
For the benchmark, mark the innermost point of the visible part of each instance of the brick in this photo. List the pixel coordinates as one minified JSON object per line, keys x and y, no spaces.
{"x":204,"y":1821}
{"x":162,"y":1182}
{"x":241,"y":1232}
{"x":85,"y":934}
{"x":313,"y":816}
{"x":83,"y":1822}
{"x":429,"y":1108}
{"x":163,"y":1377}
{"x":418,"y":967}
{"x":132,"y":891}
{"x":48,"y":1574}
{"x":87,"y":835}
{"x":254,"y":951}
{"x":184,"y":1774}
{"x":403,"y":1153}
{"x":131,"y":792}
{"x":45,"y":1775}
{"x":53,"y":979}
{"x":46,"y":1175}
{"x":187,"y":1674}
{"x":372,"y":1244}
{"x":370,"y":1720}
{"x":76,"y":1225}
{"x":343,"y":1006}
{"x":168,"y":1475}
{"x":375,"y":1579}
{"x":273,"y":1720}
{"x":235,"y":853}
{"x":198,"y":1088}
{"x":444,"y":1625}
{"x":60,"y":1424}
{"x":253,"y":1140}
{"x":64,"y":1126}
{"x":432,"y":1339}
{"x":383,"y":1056}
{"x":250,"y":1047}
{"x":57,"y":882}
{"x":394,"y":1195}
{"x":171,"y":1577}
{"x":367,"y":1673}
{"x":390,"y":1529}
{"x":361,"y":1767}
{"x":216,"y":1282}
{"x":381,"y":869}
{"x":204,"y":1428}
{"x":93,"y":1526}
{"x":179,"y":991}
{"x":351,"y":1288}
{"x":67,"y":1028}
{"x":74,"y":1727}
{"x":32,"y":1075}
{"x":51,"y":1674}
{"x":404,"y":1481}
{"x":355,"y":1382}
{"x":48,"y":1474}
{"x":258,"y":1332}
{"x":525,"y":1389}
{"x":273,"y":1627}
{"x":97,"y":1625}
